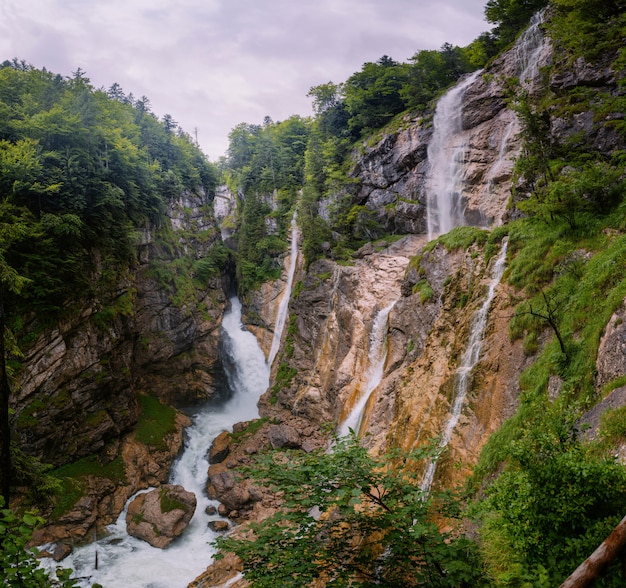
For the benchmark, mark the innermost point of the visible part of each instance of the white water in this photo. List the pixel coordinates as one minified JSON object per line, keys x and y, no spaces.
{"x":528,"y":52}
{"x":376,"y":364}
{"x":446,"y":157}
{"x":529,"y":48}
{"x":470,"y":358}
{"x":126,"y":562}
{"x":281,"y":315}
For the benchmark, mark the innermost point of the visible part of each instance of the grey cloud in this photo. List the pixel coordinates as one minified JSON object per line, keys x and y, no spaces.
{"x":214,"y":63}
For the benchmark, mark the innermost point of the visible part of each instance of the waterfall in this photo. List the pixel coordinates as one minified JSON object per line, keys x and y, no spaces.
{"x":281,"y":315}
{"x":377,"y":355}
{"x":126,"y":562}
{"x":469,"y":360}
{"x":528,"y":52}
{"x":529,"y":48}
{"x":446,"y":158}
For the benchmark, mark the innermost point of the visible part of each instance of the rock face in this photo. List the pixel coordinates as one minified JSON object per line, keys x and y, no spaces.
{"x":393,"y":174}
{"x":78,"y":389}
{"x":161,"y":515}
{"x":611,"y":361}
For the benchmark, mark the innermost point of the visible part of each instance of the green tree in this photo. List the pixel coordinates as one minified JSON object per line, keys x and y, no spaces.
{"x":373,"y":95}
{"x":348,"y":520}
{"x":18,"y":564}
{"x":511,"y":17}
{"x":555,"y":502}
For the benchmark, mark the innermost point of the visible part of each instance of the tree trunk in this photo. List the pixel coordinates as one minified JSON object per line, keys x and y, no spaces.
{"x":5,"y":432}
{"x":588,"y":571}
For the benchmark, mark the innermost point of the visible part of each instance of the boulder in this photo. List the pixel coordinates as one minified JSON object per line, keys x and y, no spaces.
{"x":161,"y":515}
{"x":284,"y":436}
{"x":220,"y":448}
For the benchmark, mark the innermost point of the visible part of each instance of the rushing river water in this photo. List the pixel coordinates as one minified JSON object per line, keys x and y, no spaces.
{"x":126,"y":562}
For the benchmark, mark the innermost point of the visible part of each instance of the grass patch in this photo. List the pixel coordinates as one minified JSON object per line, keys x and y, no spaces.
{"x":72,"y":477}
{"x":156,"y":421}
{"x":168,"y":503}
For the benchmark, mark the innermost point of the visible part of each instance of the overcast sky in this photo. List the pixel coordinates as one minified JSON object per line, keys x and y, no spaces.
{"x":212,"y":64}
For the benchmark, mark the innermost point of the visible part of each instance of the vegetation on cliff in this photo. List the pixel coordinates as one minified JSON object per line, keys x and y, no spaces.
{"x":347,"y":520}
{"x":546,"y":496}
{"x":83,"y":173}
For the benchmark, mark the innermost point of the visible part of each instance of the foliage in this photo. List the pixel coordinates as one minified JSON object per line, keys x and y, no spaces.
{"x":555,"y":502}
{"x":348,"y":520}
{"x":510,"y":17}
{"x":18,"y":563}
{"x":82,"y":169}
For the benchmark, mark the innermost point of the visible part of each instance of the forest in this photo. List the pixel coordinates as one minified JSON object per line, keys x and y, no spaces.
{"x":83,"y":171}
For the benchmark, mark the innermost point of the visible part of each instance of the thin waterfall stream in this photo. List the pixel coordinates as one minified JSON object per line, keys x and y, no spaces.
{"x":377,"y":355}
{"x":127,"y":562}
{"x":463,"y":374}
{"x":283,"y":307}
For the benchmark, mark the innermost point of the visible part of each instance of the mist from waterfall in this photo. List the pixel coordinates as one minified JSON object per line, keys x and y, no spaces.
{"x":446,"y":162}
{"x":127,"y":562}
{"x":283,"y":307}
{"x":463,"y":374}
{"x":377,"y":354}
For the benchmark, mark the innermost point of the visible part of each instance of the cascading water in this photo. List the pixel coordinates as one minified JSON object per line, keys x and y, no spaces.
{"x":529,"y":48}
{"x":126,"y":562}
{"x":376,"y":364}
{"x":446,"y":157}
{"x":281,"y":315}
{"x":469,"y":360}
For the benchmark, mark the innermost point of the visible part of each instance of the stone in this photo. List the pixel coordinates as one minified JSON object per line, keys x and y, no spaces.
{"x":284,"y":436}
{"x":210,"y":510}
{"x":218,"y":526}
{"x":611,"y":359}
{"x":161,"y":515}
{"x":220,"y":448}
{"x":61,"y":551}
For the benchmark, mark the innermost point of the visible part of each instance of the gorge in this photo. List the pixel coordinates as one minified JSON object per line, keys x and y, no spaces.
{"x":453,"y":279}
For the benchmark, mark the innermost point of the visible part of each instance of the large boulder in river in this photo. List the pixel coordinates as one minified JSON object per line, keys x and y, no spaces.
{"x":161,"y":515}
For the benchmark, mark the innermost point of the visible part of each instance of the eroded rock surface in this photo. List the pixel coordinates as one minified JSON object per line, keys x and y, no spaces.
{"x":161,"y":515}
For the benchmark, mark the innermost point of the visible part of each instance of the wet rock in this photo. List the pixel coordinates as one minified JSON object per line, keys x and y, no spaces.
{"x":61,"y":551}
{"x":218,"y":526}
{"x":161,"y":515}
{"x":220,"y":448}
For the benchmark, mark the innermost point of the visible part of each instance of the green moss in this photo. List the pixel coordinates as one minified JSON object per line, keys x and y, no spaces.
{"x":252,"y":428}
{"x":156,"y":421}
{"x":168,"y":503}
{"x":423,"y":288}
{"x":72,"y":477}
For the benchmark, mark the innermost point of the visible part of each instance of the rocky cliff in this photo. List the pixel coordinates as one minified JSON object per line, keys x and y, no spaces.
{"x":435,"y":290}
{"x":155,"y":334}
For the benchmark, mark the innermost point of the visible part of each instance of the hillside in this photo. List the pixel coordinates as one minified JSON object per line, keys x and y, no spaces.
{"x":456,"y":295}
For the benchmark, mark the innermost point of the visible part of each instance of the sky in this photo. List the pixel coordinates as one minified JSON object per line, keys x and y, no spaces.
{"x":212,"y":64}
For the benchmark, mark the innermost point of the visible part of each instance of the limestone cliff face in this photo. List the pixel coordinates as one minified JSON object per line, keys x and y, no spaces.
{"x":324,"y":370}
{"x":78,"y":387}
{"x":393,"y":173}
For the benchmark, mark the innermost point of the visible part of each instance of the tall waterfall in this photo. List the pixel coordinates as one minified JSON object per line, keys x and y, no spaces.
{"x":281,"y":316}
{"x":446,"y":157}
{"x":126,"y":562}
{"x":377,"y":355}
{"x":462,"y":376}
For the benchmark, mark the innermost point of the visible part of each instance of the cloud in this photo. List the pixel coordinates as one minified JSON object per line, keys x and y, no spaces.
{"x":212,"y":64}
